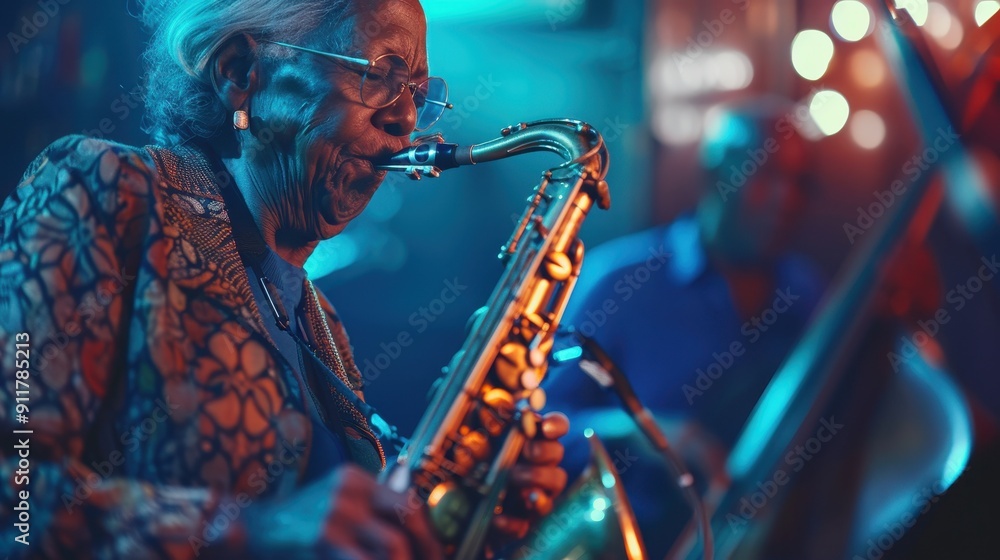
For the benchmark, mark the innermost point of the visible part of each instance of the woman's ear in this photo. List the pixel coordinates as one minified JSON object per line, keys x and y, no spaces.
{"x":234,"y":71}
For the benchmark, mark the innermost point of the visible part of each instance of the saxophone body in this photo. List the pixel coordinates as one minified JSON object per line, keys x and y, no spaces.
{"x":486,"y":404}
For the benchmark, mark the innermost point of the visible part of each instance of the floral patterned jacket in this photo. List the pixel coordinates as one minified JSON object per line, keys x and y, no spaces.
{"x":156,"y":400}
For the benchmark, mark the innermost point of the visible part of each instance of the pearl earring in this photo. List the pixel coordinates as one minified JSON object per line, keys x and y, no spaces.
{"x":241,"y":120}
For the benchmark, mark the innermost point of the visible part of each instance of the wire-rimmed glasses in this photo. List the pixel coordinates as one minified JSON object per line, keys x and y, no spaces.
{"x":384,"y":79}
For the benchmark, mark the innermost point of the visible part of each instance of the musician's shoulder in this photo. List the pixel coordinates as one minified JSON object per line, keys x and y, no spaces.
{"x":78,"y":169}
{"x":650,"y":247}
{"x":83,"y":152}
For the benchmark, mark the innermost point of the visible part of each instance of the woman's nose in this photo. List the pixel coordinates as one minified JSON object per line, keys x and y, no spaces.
{"x":398,"y":118}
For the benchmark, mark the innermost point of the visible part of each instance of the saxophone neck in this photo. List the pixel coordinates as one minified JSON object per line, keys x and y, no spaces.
{"x":575,"y":141}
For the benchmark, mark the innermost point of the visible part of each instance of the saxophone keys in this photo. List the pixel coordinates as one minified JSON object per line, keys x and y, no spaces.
{"x":449,"y":508}
{"x":537,"y":357}
{"x":497,"y":410}
{"x":529,"y":423}
{"x":531,"y":379}
{"x":558,"y":266}
{"x":511,"y":361}
{"x":537,"y":399}
{"x":471,"y":449}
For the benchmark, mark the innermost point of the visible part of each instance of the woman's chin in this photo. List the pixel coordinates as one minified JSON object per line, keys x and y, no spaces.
{"x":328,"y":230}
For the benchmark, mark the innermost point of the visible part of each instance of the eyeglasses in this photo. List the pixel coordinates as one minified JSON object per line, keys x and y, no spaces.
{"x":384,"y":80}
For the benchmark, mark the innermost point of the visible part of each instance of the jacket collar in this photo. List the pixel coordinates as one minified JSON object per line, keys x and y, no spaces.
{"x":193,"y":190}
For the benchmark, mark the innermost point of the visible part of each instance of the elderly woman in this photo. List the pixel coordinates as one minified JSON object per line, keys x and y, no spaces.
{"x":188,"y":390}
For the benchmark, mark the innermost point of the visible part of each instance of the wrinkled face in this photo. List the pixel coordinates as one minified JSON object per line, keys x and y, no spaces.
{"x":313,"y":139}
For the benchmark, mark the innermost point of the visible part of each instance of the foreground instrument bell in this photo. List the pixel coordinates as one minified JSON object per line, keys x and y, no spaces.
{"x":592,"y":521}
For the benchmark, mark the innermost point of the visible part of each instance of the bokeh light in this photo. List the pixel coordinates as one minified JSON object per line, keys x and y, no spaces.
{"x":851,"y":20}
{"x":677,"y":125}
{"x":867,"y":129}
{"x":916,"y":8}
{"x":943,"y":26}
{"x":673,"y":76}
{"x":732,"y":70}
{"x":812,"y":51}
{"x":829,"y":110}
{"x":867,"y":68}
{"x":985,"y":10}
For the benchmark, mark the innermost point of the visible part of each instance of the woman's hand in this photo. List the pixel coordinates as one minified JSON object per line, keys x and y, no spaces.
{"x":345,"y":515}
{"x":536,"y":480}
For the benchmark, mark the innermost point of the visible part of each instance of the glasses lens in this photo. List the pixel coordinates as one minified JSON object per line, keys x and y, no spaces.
{"x":431,"y":99}
{"x":384,"y":81}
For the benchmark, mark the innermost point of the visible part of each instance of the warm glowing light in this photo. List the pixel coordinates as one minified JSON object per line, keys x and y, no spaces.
{"x":812,"y":51}
{"x":916,"y":8}
{"x":985,"y":10}
{"x":867,"y":68}
{"x":867,"y":129}
{"x":437,"y":494}
{"x":851,"y":19}
{"x":829,"y":110}
{"x":943,"y":26}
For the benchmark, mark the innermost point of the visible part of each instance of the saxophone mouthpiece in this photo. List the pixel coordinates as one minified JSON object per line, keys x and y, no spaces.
{"x":430,"y":158}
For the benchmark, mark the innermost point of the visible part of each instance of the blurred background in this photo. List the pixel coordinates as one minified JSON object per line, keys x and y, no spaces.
{"x":646,"y":73}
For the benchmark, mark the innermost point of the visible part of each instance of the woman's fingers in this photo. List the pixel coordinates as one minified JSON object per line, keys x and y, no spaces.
{"x":543,"y":452}
{"x":554,"y":425}
{"x":407,"y":512}
{"x":511,"y":527}
{"x":551,"y":478}
{"x":383,"y":540}
{"x":381,"y":522}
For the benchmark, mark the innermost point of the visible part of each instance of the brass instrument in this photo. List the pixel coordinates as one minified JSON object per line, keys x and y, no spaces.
{"x":485,"y":405}
{"x":793,"y":402}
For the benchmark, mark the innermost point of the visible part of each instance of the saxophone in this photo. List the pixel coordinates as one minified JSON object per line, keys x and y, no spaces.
{"x":486,"y":404}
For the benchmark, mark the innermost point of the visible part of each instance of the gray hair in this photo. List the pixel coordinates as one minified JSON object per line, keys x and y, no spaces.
{"x":180,"y":100}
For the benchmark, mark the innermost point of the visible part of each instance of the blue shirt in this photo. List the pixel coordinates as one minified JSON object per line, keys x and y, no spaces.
{"x":327,"y":450}
{"x":654,"y":302}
